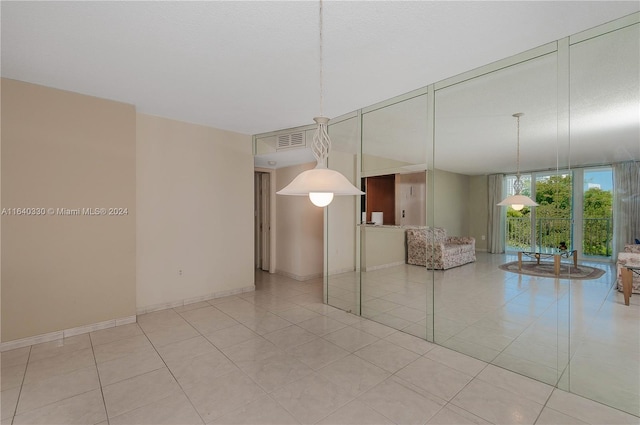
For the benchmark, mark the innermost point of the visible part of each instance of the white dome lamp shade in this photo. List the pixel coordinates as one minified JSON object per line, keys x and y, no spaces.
{"x":518,"y":201}
{"x":320,"y":184}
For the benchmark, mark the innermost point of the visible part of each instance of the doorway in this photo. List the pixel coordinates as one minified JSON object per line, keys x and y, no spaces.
{"x":262,"y":218}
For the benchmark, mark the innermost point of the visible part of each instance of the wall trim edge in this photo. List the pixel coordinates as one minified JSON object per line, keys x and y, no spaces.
{"x":66,"y":333}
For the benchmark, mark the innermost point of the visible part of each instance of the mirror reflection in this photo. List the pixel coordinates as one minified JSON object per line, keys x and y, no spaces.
{"x":394,"y":177}
{"x":509,"y":319}
{"x":541,"y":291}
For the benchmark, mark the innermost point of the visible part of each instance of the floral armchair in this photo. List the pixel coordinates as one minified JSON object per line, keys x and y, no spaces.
{"x":630,"y":255}
{"x":431,"y":247}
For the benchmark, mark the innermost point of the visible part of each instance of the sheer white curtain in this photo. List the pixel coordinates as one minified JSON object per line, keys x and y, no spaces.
{"x":495,"y":238}
{"x":626,"y":204}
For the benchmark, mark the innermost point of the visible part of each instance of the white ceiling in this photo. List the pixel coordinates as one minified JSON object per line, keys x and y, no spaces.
{"x":252,"y":67}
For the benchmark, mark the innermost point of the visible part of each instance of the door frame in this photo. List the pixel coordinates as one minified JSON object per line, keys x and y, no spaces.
{"x":272,"y":216}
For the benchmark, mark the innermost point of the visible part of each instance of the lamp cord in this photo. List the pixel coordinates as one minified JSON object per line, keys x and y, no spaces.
{"x":321,"y":67}
{"x":518,"y":149}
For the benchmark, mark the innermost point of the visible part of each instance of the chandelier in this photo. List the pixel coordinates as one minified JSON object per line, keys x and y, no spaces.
{"x":320,"y":183}
{"x":518,"y":201}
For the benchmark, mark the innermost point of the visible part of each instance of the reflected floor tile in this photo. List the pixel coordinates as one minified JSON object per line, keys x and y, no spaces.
{"x":455,"y":360}
{"x":543,"y":373}
{"x":617,"y":385}
{"x":479,"y":352}
{"x":517,"y":384}
{"x":587,"y":410}
{"x":373,"y":328}
{"x":496,"y":404}
{"x":434,"y":377}
{"x":553,"y":417}
{"x":410,"y":342}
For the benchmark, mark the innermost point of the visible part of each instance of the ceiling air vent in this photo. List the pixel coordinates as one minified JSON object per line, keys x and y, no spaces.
{"x":292,"y":140}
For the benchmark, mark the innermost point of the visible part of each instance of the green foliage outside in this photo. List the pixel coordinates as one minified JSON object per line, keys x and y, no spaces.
{"x":553,"y":218}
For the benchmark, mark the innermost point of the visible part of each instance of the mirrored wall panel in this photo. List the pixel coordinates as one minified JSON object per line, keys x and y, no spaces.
{"x":605,"y":150}
{"x":549,"y":291}
{"x":342,"y":243}
{"x":492,"y":300}
{"x":395,"y":285}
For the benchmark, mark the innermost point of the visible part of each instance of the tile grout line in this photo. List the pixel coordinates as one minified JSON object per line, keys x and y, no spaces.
{"x":24,"y":376}
{"x":104,"y":403}
{"x":167,"y":366}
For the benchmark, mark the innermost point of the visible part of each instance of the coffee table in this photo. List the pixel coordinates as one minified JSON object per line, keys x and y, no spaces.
{"x":627,"y":272}
{"x":557,"y":256}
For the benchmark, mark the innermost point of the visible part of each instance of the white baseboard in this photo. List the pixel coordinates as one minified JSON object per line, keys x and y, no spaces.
{"x":340,"y":271}
{"x":66,"y":333}
{"x":187,"y":301}
{"x":384,"y":266}
{"x":300,"y":278}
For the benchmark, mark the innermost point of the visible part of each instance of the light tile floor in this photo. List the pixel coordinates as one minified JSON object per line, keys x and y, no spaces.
{"x":576,"y":334}
{"x":276,"y":356}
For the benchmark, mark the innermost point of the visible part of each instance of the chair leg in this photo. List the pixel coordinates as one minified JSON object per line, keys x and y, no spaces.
{"x":627,"y":284}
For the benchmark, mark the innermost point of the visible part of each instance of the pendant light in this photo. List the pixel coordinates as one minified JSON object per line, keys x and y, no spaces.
{"x":517,"y":201}
{"x":320,"y":184}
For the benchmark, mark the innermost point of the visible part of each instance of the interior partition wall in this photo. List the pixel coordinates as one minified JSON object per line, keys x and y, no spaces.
{"x":605,"y":123}
{"x":514,"y":321}
{"x":436,"y":149}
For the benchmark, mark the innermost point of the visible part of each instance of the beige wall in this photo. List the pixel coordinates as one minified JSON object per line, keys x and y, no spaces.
{"x":299,"y":234}
{"x":478,"y":210}
{"x":451,"y":202}
{"x":195,"y":211}
{"x":66,"y":150}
